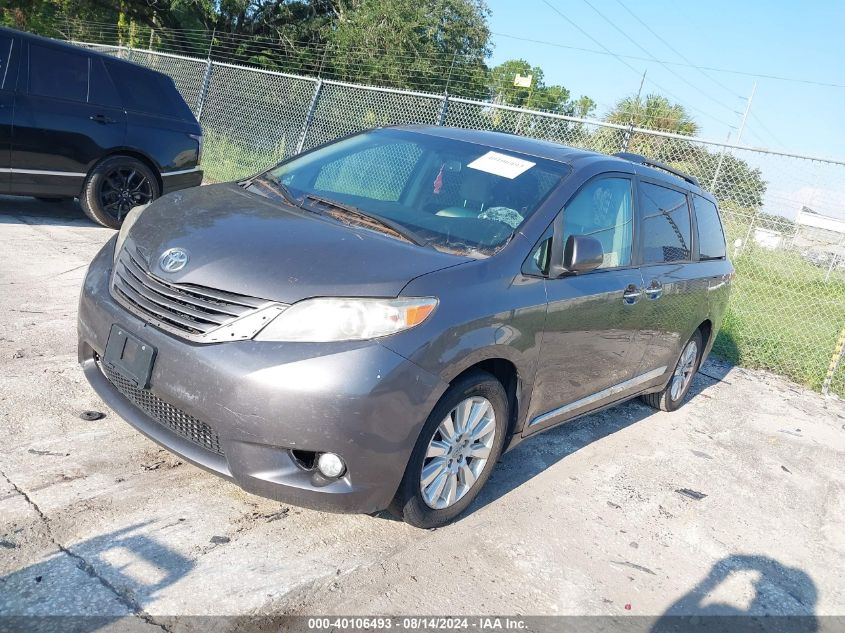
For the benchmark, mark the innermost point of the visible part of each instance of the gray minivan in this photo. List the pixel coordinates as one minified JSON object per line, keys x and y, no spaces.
{"x":370,"y":324}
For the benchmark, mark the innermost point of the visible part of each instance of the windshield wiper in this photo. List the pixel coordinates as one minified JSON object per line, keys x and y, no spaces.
{"x":277,"y":186}
{"x":393,"y":227}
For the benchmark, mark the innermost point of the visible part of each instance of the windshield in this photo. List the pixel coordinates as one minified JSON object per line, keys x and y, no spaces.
{"x":457,"y":196}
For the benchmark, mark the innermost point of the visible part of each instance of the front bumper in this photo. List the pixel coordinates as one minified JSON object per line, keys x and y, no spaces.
{"x":262,"y":400}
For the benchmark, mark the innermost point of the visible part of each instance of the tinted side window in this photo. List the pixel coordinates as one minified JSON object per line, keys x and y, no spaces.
{"x":58,"y":73}
{"x":5,"y":54}
{"x":603,"y":210}
{"x":145,"y":91}
{"x":665,"y":224}
{"x":711,"y":237}
{"x":102,"y":89}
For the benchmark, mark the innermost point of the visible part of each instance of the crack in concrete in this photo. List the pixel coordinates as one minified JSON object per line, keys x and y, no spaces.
{"x":83,"y":564}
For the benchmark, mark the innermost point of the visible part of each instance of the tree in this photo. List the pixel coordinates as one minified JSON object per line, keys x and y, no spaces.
{"x":417,"y":44}
{"x":655,"y":112}
{"x":538,"y":95}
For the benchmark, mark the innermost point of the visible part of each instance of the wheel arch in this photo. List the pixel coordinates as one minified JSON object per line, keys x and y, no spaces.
{"x":131,"y":153}
{"x":707,"y":336}
{"x":507,"y":372}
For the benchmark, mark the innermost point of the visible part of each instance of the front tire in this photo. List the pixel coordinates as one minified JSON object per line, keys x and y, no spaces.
{"x":455,"y":453}
{"x":116,"y":185}
{"x":672,"y":396}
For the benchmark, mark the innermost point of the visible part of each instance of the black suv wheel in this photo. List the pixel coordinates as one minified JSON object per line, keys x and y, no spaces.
{"x":114,"y":187}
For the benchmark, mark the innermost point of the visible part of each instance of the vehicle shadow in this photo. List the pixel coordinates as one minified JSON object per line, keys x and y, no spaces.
{"x":21,"y":210}
{"x":536,"y":454}
{"x":781,"y":598}
{"x":102,"y":581}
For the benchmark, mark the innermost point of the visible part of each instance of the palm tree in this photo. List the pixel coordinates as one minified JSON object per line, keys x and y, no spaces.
{"x":655,"y":112}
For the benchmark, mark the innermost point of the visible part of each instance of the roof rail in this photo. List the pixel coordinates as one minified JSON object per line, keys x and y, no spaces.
{"x":642,"y":160}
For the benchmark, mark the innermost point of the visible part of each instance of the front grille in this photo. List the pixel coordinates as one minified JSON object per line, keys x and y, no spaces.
{"x":185,"y":309}
{"x":165,"y":414}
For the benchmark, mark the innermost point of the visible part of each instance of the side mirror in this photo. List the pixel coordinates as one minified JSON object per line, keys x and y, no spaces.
{"x":582,"y":254}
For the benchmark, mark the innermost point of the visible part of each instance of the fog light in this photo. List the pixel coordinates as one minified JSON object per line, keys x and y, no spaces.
{"x":330,"y":465}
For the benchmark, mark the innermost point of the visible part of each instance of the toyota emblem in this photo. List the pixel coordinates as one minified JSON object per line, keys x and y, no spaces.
{"x":173,"y":260}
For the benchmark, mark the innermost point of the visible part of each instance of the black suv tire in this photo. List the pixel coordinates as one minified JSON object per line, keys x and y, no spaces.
{"x":105,"y":202}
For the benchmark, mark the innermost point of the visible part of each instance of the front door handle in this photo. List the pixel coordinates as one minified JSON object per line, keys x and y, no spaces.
{"x":631,"y":294}
{"x":654,"y":290}
{"x":101,"y":118}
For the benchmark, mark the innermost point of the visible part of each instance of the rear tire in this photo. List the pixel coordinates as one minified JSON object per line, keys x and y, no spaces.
{"x":672,"y":396}
{"x":464,"y":462}
{"x":116,"y":185}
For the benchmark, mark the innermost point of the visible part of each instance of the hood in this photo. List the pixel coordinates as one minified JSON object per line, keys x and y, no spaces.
{"x":247,"y":244}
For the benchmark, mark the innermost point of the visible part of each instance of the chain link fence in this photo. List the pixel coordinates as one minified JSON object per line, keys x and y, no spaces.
{"x":787,"y":311}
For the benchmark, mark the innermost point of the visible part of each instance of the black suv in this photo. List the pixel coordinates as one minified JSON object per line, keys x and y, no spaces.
{"x":77,"y":123}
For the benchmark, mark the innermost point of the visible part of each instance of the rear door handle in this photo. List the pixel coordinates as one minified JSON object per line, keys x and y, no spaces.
{"x":101,"y":118}
{"x":654,"y":290}
{"x":631,"y":294}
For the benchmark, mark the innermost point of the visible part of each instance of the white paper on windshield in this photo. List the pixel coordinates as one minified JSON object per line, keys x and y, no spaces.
{"x":501,"y":164}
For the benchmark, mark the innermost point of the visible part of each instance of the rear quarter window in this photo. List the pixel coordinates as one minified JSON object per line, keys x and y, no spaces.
{"x":711,"y":236}
{"x":146,"y":91}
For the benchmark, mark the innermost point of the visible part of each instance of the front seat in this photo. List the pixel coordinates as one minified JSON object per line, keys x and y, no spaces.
{"x":474,"y":191}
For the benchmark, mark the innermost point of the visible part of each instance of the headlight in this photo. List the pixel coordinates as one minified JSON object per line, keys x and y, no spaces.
{"x":324,"y":320}
{"x":128,"y":221}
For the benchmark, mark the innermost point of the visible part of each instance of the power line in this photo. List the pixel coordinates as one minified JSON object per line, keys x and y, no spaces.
{"x":643,"y":49}
{"x":621,"y":60}
{"x":670,"y":63}
{"x":771,"y":134}
{"x":679,"y":53}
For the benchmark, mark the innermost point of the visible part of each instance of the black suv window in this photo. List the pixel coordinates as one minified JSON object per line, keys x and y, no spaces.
{"x":5,"y":55}
{"x":711,"y":237}
{"x":145,"y":91}
{"x":665,"y":224}
{"x":54,"y":72}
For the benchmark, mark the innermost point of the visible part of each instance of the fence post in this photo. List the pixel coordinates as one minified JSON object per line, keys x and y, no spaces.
{"x":444,"y":109}
{"x":206,"y":80}
{"x":835,"y":359}
{"x":309,"y":114}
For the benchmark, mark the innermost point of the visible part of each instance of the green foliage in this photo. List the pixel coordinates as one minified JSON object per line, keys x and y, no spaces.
{"x":775,"y":296}
{"x":537,"y":96}
{"x":655,"y":112}
{"x":413,"y":44}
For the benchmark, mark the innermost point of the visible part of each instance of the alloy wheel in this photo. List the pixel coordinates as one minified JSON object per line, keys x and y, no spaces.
{"x":457,"y":452}
{"x":122,"y":189}
{"x":684,"y":371}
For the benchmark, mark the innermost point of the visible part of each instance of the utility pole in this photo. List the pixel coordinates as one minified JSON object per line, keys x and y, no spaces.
{"x":627,"y":138}
{"x":719,"y":165}
{"x":738,"y":138}
{"x":745,"y":114}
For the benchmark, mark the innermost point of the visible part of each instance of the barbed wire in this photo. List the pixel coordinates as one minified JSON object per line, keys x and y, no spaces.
{"x":460,"y":74}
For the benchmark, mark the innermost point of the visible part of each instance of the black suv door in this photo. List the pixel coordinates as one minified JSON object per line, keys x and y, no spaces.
{"x":8,"y":77}
{"x":67,"y":117}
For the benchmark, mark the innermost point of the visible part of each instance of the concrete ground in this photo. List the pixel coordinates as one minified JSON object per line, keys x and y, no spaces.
{"x":585,"y":519}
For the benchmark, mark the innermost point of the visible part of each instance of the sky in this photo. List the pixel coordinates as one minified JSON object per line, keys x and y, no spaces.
{"x":800,"y":40}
